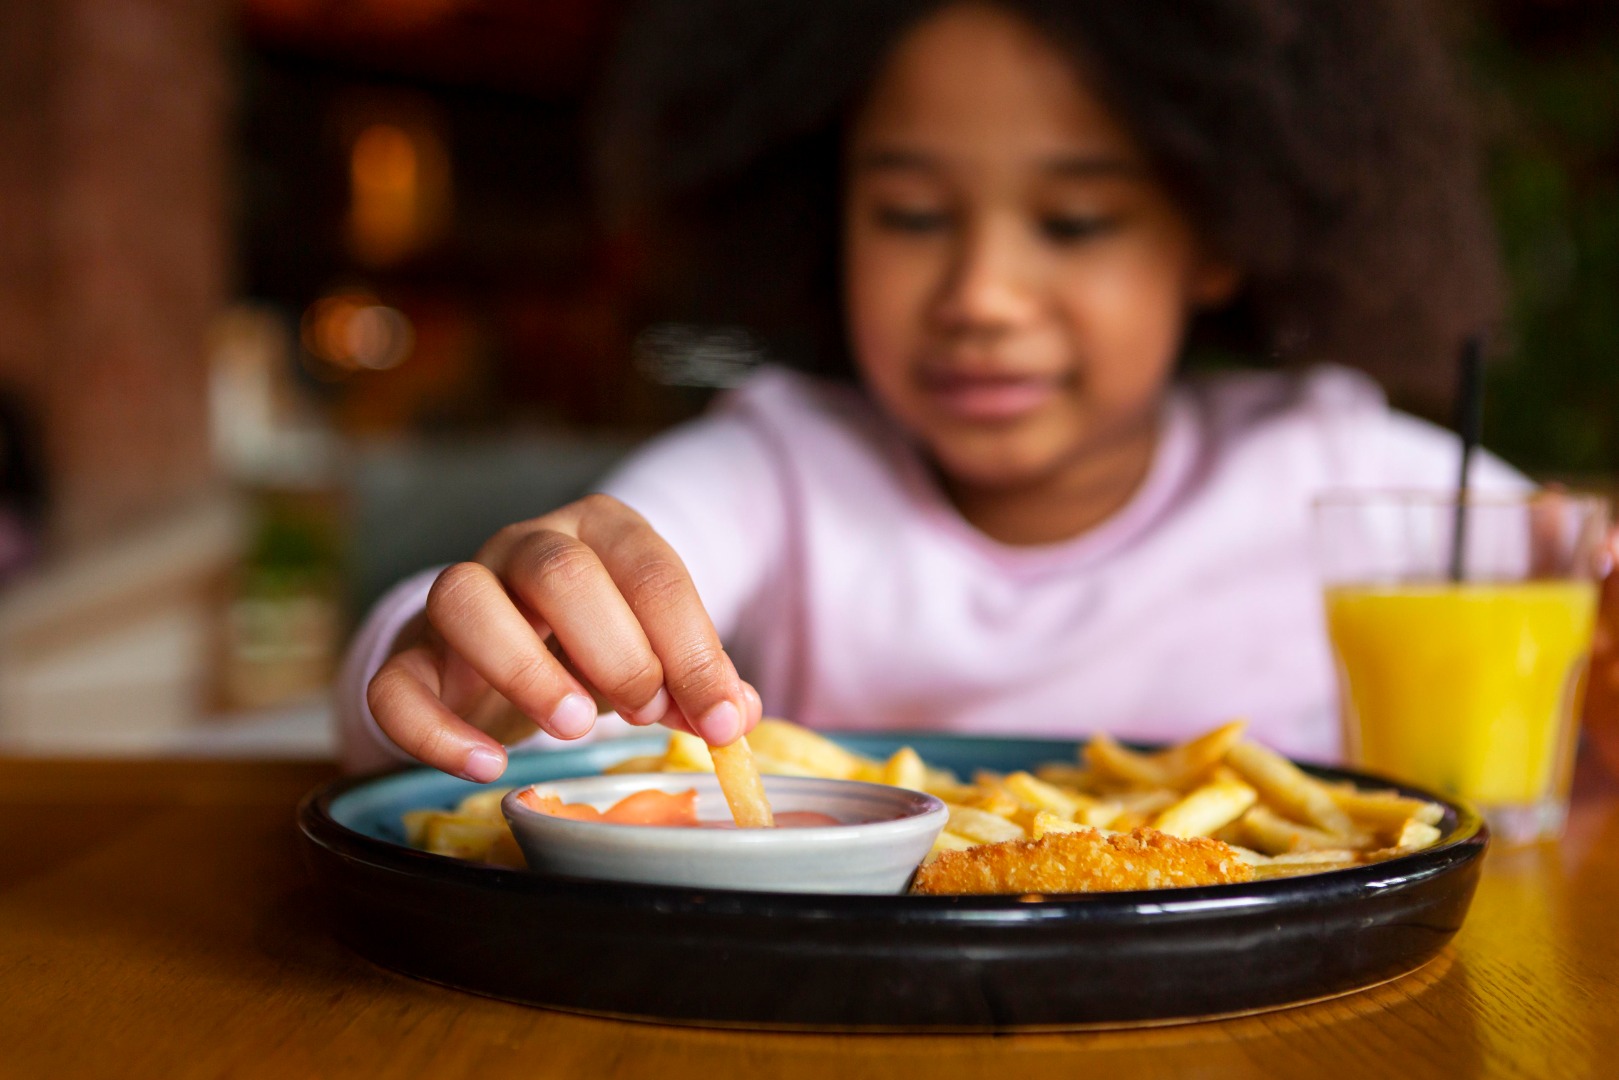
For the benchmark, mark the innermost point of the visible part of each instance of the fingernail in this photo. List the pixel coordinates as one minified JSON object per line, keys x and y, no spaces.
{"x":573,"y":717}
{"x":721,"y":725}
{"x":652,"y":711}
{"x":754,"y":703}
{"x":483,"y":765}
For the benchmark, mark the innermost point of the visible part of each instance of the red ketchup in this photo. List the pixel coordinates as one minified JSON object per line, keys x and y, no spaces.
{"x":654,"y":807}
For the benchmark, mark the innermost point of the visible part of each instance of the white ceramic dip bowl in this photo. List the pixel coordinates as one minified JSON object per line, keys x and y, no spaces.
{"x":886,"y":833}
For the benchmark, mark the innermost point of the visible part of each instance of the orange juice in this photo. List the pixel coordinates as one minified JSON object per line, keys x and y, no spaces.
{"x":1467,"y":688}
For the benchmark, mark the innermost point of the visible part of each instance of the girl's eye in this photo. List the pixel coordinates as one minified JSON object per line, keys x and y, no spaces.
{"x":908,"y":220}
{"x":1066,"y":229}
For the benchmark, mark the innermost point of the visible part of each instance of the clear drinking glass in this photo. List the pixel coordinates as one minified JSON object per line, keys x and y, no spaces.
{"x":1462,"y":632}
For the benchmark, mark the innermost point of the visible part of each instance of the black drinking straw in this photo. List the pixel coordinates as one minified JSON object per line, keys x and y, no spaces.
{"x":1469,"y":418}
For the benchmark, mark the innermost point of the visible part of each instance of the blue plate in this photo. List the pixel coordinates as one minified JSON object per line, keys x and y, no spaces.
{"x":888,"y":963}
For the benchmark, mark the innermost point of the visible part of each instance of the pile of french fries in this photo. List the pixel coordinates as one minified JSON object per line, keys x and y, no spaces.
{"x":1277,"y":817}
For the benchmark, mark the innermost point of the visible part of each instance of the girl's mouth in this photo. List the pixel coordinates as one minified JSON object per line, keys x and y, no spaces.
{"x":989,"y":398}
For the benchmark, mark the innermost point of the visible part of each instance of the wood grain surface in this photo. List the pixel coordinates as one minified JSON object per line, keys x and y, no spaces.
{"x":155,"y":921}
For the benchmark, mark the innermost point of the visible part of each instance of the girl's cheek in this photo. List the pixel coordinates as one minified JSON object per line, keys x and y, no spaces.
{"x":886,"y":300}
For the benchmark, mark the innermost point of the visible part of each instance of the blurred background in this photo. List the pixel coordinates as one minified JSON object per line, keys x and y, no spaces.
{"x":299,"y":296}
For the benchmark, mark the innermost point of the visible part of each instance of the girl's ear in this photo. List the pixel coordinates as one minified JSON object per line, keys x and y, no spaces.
{"x":1214,"y":282}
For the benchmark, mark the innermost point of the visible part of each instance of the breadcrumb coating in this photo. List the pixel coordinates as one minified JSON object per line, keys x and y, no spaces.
{"x":1087,"y":861}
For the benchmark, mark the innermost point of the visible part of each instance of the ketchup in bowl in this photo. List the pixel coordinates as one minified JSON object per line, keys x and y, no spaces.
{"x":676,"y":809}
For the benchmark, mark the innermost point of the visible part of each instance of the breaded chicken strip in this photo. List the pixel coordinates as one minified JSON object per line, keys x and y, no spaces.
{"x":1086,"y":861}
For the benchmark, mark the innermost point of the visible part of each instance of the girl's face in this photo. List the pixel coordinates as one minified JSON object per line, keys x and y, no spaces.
{"x":1017,"y":281}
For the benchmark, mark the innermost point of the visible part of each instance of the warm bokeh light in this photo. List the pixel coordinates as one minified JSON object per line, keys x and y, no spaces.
{"x":353,"y":330}
{"x":393,"y":16}
{"x":399,"y":191}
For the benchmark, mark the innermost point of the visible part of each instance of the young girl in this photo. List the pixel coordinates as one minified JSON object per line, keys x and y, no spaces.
{"x":994,"y":231}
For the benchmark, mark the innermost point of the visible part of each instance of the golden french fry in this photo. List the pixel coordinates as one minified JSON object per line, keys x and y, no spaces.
{"x":1099,"y":813}
{"x":949,"y":841}
{"x":1107,"y":757}
{"x":416,"y":822}
{"x":1316,"y":858}
{"x":1187,"y":763}
{"x":774,"y":766}
{"x":1416,"y":835}
{"x":1279,"y":781}
{"x":1146,"y":802}
{"x":981,"y":825}
{"x":870,"y":772}
{"x":1383,"y":811}
{"x":1078,"y":777}
{"x":905,"y":769}
{"x":1139,"y":806}
{"x":739,"y":782}
{"x":1249,"y":855}
{"x":1046,"y":822}
{"x":952,"y":792}
{"x":990,"y":795}
{"x":1044,"y":796}
{"x":1205,"y":809}
{"x":788,"y":742}
{"x":687,"y":753}
{"x":1266,"y":831}
{"x":1292,"y":866}
{"x":461,"y":837}
{"x":483,"y":804}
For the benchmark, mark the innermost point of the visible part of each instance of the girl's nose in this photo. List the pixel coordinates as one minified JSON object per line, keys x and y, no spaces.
{"x":990,"y":283}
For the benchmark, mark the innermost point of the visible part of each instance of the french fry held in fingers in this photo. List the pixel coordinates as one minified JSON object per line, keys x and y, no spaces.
{"x":740,"y":783}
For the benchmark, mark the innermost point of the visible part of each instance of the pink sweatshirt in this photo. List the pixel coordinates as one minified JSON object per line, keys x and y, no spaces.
{"x":851,"y":593}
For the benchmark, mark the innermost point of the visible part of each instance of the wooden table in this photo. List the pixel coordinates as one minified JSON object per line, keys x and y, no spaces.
{"x":156,"y":920}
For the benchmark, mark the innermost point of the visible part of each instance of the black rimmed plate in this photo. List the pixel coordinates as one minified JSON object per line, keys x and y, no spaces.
{"x":888,"y":963}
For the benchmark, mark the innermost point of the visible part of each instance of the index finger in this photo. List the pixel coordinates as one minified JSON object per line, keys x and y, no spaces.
{"x":699,"y":674}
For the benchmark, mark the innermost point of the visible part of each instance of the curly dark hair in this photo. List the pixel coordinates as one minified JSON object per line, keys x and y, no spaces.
{"x":1322,"y":146}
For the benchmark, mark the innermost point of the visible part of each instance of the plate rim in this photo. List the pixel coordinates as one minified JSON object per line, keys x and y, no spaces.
{"x":1467,"y":839}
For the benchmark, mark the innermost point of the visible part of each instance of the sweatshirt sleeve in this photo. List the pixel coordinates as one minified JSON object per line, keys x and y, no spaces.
{"x":706,"y":488}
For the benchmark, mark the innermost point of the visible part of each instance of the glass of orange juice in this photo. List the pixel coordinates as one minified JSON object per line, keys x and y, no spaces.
{"x":1462,"y":631}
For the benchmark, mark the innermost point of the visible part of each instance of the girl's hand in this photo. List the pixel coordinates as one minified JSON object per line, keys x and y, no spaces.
{"x":612,"y":594}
